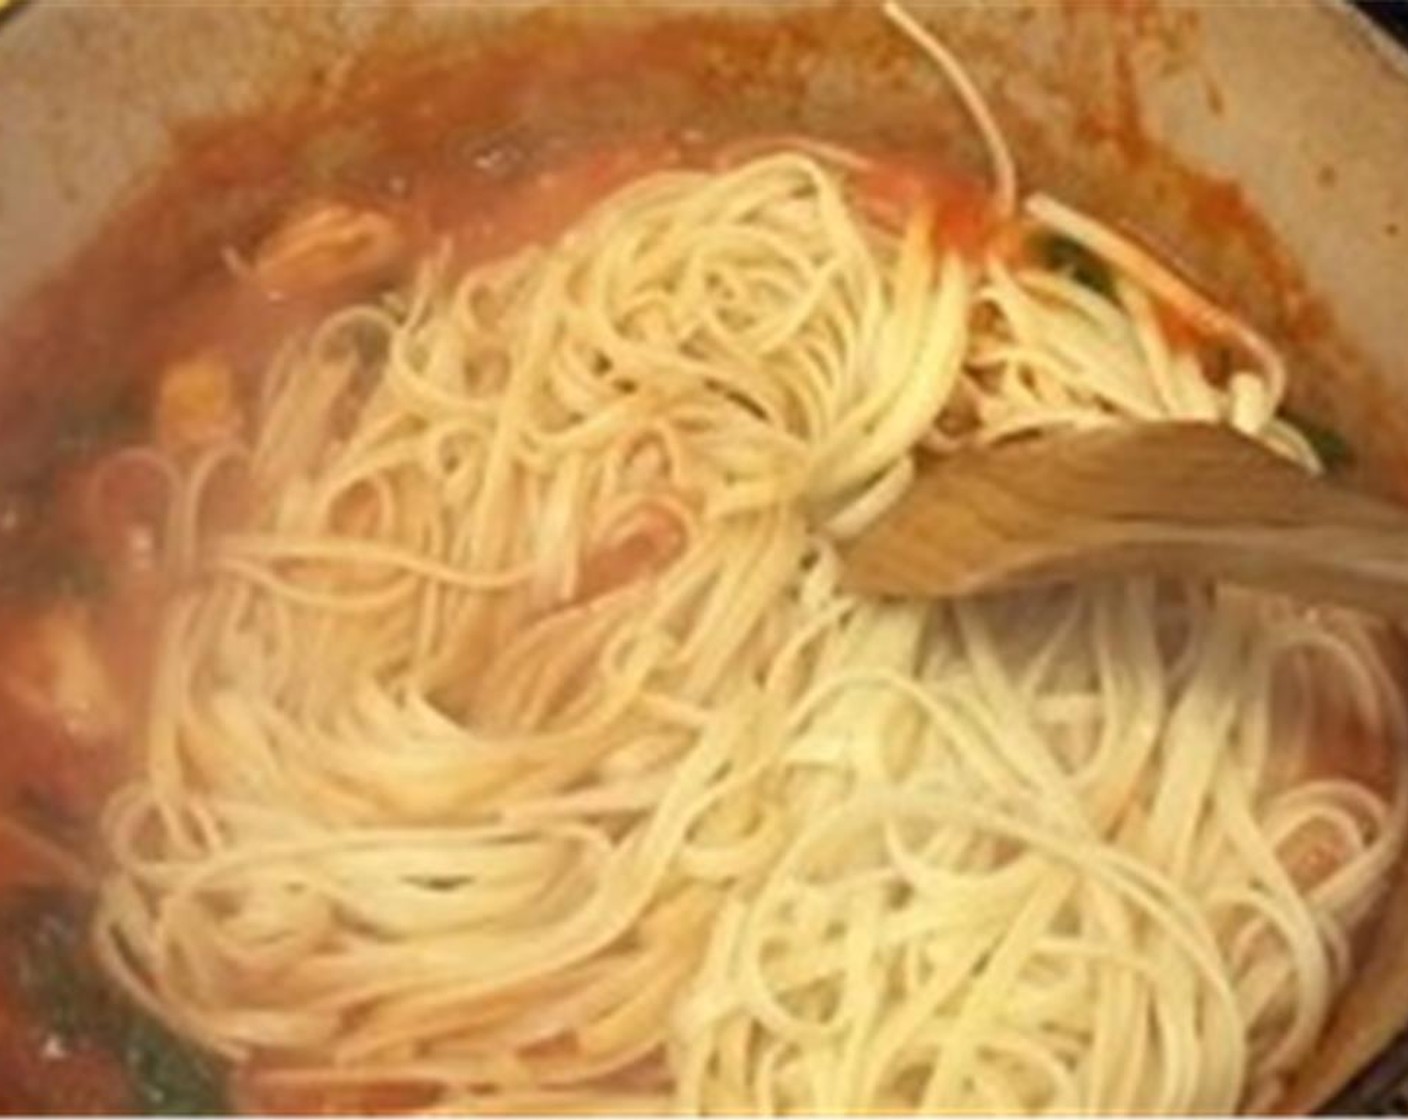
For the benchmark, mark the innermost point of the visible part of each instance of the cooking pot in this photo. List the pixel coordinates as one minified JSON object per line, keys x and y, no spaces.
{"x":1263,"y":148}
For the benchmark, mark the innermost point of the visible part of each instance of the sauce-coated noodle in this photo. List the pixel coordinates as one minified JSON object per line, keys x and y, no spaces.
{"x":520,"y":746}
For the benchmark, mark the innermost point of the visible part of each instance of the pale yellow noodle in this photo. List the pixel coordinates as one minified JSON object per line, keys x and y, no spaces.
{"x":521,"y":744}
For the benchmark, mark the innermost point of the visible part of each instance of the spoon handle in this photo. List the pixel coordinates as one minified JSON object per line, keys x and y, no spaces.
{"x":1177,"y":499}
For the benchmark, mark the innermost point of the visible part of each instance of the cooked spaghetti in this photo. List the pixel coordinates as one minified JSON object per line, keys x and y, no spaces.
{"x":514,"y":747}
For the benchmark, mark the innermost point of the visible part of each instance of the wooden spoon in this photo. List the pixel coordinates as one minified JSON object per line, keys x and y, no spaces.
{"x":1175,"y":499}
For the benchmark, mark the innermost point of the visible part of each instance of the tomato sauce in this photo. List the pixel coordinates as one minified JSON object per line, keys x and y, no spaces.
{"x":41,"y":1073}
{"x":962,"y":208}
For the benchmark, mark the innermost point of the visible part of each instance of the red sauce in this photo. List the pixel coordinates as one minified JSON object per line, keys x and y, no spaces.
{"x":40,"y":1074}
{"x":255,"y":1093}
{"x":1182,"y":335}
{"x":963,"y":216}
{"x":484,"y":219}
{"x":40,"y":763}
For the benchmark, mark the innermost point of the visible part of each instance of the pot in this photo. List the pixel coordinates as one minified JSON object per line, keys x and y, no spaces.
{"x":1236,"y":138}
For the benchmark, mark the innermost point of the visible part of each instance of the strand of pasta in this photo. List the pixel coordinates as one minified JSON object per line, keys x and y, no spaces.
{"x":533,"y":661}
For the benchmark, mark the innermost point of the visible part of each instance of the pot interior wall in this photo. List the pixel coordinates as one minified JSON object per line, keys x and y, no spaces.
{"x":1181,"y":121}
